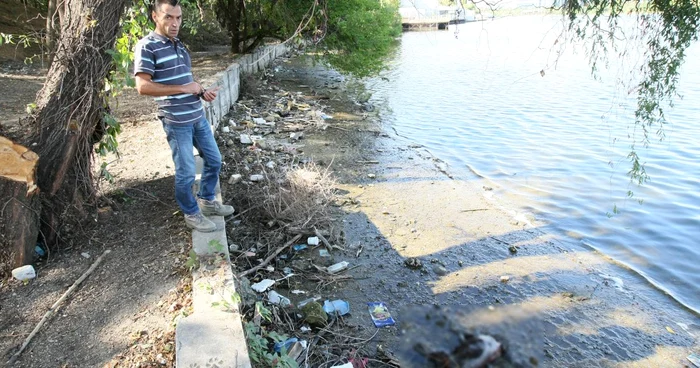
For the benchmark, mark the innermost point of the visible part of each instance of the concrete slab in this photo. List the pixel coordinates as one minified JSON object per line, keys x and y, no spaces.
{"x":211,"y":340}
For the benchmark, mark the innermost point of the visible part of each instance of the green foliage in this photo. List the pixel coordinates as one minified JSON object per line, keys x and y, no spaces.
{"x":361,"y":35}
{"x":664,"y":29}
{"x":259,"y":348}
{"x":216,"y":246}
{"x":192,"y":260}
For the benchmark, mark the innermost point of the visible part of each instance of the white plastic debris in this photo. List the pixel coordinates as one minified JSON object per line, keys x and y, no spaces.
{"x":297,"y":292}
{"x":337,"y":267}
{"x":245,"y":139}
{"x":313,"y":240}
{"x":262,"y":285}
{"x":225,"y":129}
{"x":259,"y":121}
{"x":256,"y":177}
{"x":346,"y":365}
{"x":305,"y":329}
{"x":271,"y":165}
{"x":296,"y":135}
{"x":24,"y":273}
{"x":85,"y":254}
{"x":275,"y":298}
{"x":235,"y":178}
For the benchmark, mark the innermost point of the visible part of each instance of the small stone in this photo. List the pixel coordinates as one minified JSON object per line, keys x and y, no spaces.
{"x":439,"y":270}
{"x":229,"y":142}
{"x":513,"y":249}
{"x":235,"y":178}
{"x":314,"y":314}
{"x":371,"y":176}
{"x":85,"y":254}
{"x":505,"y":279}
{"x":271,"y":165}
{"x":413,"y":263}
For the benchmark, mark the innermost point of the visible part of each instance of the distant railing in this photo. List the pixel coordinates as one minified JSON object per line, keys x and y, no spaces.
{"x":425,"y":20}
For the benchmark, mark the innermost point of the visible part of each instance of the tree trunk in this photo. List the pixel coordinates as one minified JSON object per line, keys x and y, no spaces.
{"x":51,"y":29}
{"x":20,"y":207}
{"x":69,"y":108}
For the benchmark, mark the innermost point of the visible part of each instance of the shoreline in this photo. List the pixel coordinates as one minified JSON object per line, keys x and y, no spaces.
{"x":441,"y":222}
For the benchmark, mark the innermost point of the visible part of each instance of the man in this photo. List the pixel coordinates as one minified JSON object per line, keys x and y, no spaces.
{"x":162,"y":68}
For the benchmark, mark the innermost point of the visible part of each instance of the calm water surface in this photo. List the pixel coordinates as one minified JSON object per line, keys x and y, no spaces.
{"x":556,"y":143}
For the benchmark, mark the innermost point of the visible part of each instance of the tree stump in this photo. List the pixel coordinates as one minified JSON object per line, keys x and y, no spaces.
{"x":20,"y":206}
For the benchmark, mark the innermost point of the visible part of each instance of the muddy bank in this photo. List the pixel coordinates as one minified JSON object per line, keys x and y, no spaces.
{"x":429,"y":244}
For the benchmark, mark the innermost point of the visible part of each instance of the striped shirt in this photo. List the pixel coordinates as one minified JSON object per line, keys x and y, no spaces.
{"x":168,"y":62}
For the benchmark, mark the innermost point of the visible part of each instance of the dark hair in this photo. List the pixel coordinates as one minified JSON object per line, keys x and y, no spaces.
{"x":158,"y":3}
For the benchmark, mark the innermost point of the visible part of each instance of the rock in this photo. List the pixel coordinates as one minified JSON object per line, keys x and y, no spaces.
{"x":295,"y":136}
{"x":248,"y":297}
{"x":371,"y":176}
{"x":505,"y":279}
{"x":314,"y":314}
{"x":104,"y":214}
{"x":270,"y":118}
{"x":413,"y":263}
{"x":439,"y":270}
{"x":271,"y":165}
{"x":229,"y":142}
{"x":513,"y":249}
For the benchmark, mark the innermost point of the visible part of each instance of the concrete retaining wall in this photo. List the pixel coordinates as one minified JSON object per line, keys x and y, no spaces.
{"x":229,"y":80}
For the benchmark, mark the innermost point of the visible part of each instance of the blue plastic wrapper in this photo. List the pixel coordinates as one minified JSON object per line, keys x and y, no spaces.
{"x":285,"y":344}
{"x":299,"y":247}
{"x":380,"y":314}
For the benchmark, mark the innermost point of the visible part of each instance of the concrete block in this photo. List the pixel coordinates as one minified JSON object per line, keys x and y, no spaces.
{"x":213,"y":287}
{"x":211,"y":341}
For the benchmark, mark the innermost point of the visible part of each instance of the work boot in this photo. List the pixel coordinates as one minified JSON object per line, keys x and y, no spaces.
{"x":200,"y":223}
{"x":214,"y":208}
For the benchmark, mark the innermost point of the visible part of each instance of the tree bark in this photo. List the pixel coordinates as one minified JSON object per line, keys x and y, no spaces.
{"x":20,"y":207}
{"x":69,"y":108}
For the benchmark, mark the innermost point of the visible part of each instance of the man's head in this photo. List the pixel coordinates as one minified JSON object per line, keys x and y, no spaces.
{"x":167,"y":14}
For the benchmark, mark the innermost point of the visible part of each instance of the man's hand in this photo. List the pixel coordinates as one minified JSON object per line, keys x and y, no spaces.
{"x":210,"y":94}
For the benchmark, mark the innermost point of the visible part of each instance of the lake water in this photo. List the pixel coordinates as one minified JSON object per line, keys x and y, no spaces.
{"x":556,"y":144}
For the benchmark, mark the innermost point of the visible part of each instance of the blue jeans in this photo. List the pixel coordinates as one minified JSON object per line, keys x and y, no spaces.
{"x":182,"y":139}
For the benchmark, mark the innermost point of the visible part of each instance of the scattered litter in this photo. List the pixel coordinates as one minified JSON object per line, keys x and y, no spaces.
{"x":39,"y":251}
{"x":313,"y":240}
{"x":299,"y":247}
{"x":270,"y":165}
{"x":285,"y":344}
{"x":346,"y":365}
{"x":287,"y":270}
{"x":305,"y":329}
{"x":262,"y":285}
{"x":359,"y":362}
{"x":307,"y":301}
{"x":257,"y":177}
{"x":339,"y":307}
{"x":323,"y":253}
{"x":234,"y":247}
{"x":85,"y":254}
{"x":225,"y":129}
{"x":695,"y":359}
{"x":295,"y":136}
{"x":259,"y":121}
{"x":337,"y":267}
{"x":250,"y":254}
{"x":296,"y":349}
{"x":245,"y":139}
{"x":235,"y":178}
{"x":270,"y":269}
{"x":380,"y":314}
{"x":24,"y":273}
{"x":297,"y":292}
{"x":670,"y":330}
{"x":275,"y":298}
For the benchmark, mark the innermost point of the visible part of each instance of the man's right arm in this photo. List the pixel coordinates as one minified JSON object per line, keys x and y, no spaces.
{"x":146,"y":86}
